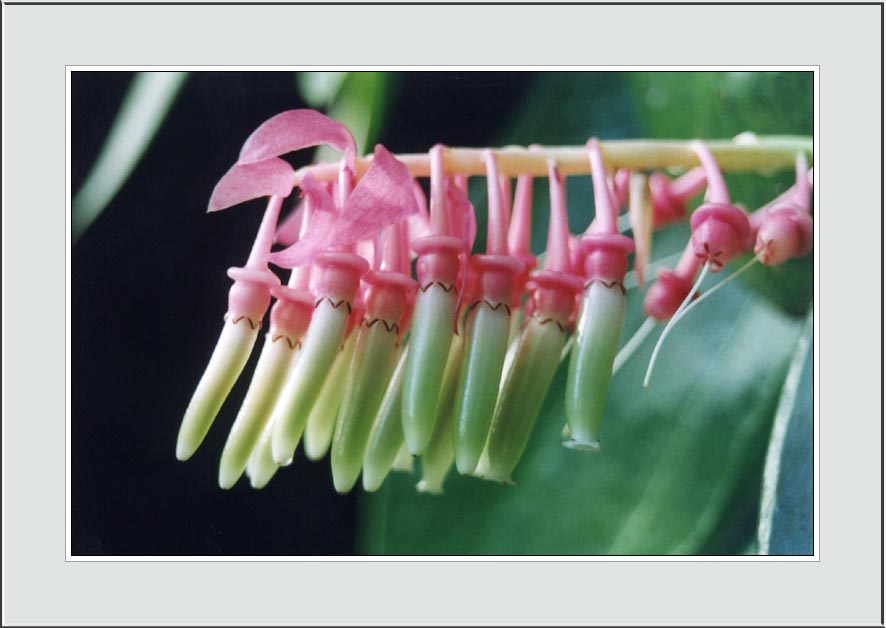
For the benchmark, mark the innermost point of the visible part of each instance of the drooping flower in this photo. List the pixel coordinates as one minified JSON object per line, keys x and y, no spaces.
{"x":598,"y":329}
{"x":486,"y":331}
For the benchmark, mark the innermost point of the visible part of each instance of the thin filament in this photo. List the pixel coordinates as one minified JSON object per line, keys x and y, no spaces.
{"x":674,"y":318}
{"x":695,"y":303}
{"x":633,"y":344}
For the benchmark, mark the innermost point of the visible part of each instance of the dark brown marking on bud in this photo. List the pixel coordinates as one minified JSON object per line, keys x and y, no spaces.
{"x":292,"y":344}
{"x":427,"y":286}
{"x":490,"y":305}
{"x":252,"y":323}
{"x":608,"y":285}
{"x":335,"y":305}
{"x":388,"y":328}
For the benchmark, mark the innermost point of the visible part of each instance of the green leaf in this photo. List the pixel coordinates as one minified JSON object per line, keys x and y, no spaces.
{"x":319,"y":89}
{"x":143,"y":110}
{"x":359,"y":104}
{"x":786,"y":508}
{"x":679,"y":466}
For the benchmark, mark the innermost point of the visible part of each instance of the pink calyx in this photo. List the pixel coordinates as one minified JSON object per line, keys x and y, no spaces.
{"x":786,"y":228}
{"x":604,"y":257}
{"x":291,"y":313}
{"x":250,"y":295}
{"x":555,"y":288}
{"x":495,"y":271}
{"x":387,"y":297}
{"x":785,"y":233}
{"x":494,"y":278}
{"x":665,"y":295}
{"x":719,"y":229}
{"x":602,"y":251}
{"x":669,"y":197}
{"x":439,"y":253}
{"x":338,"y":277}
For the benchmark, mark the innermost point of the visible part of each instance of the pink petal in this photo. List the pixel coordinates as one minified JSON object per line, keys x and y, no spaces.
{"x":317,"y":238}
{"x":384,"y":196}
{"x":317,"y":233}
{"x":320,"y":196}
{"x":244,"y":182}
{"x":293,"y":130}
{"x":290,"y":227}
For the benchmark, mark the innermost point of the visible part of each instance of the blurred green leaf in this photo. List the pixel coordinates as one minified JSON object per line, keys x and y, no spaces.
{"x":319,"y":89}
{"x":786,"y":508}
{"x":359,"y":105}
{"x":143,"y":110}
{"x":675,"y":470}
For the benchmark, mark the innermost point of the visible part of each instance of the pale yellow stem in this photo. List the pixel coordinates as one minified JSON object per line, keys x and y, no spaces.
{"x":746,"y":153}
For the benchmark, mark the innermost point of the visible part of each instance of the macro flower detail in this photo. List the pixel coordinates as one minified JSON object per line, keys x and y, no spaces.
{"x":392,"y":338}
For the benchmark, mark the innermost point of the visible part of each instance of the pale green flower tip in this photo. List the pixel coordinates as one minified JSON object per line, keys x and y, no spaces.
{"x":185,"y":448}
{"x":404,"y":462}
{"x":282,"y":450}
{"x":565,"y":434}
{"x":260,"y":474}
{"x":344,"y":479}
{"x":372,"y":479}
{"x":315,"y":451}
{"x":590,"y":444}
{"x":429,"y":487}
{"x":261,"y":479}
{"x":228,"y":476}
{"x":416,"y":442}
{"x":465,"y":462}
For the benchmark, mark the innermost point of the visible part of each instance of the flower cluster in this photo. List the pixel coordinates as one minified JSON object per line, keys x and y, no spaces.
{"x":376,"y":366}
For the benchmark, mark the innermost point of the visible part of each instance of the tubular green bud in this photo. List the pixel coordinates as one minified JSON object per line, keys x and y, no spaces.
{"x":590,"y":364}
{"x":261,"y":466}
{"x":405,"y":461}
{"x":386,"y":438}
{"x":363,"y":394}
{"x":321,"y":419}
{"x":228,"y":359}
{"x":525,"y":386}
{"x":440,"y":453}
{"x":319,"y":348}
{"x":433,"y":322}
{"x":486,"y":342}
{"x":273,"y":365}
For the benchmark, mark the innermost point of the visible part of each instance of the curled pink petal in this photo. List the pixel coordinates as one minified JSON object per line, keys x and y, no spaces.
{"x":383,"y":196}
{"x":296,"y":129}
{"x":244,"y":182}
{"x":320,"y":197}
{"x":290,"y":227}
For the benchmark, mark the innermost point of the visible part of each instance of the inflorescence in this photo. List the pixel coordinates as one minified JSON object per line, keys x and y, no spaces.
{"x":374,"y":365}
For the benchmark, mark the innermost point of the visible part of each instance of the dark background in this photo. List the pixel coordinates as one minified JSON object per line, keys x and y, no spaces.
{"x":148,"y":292}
